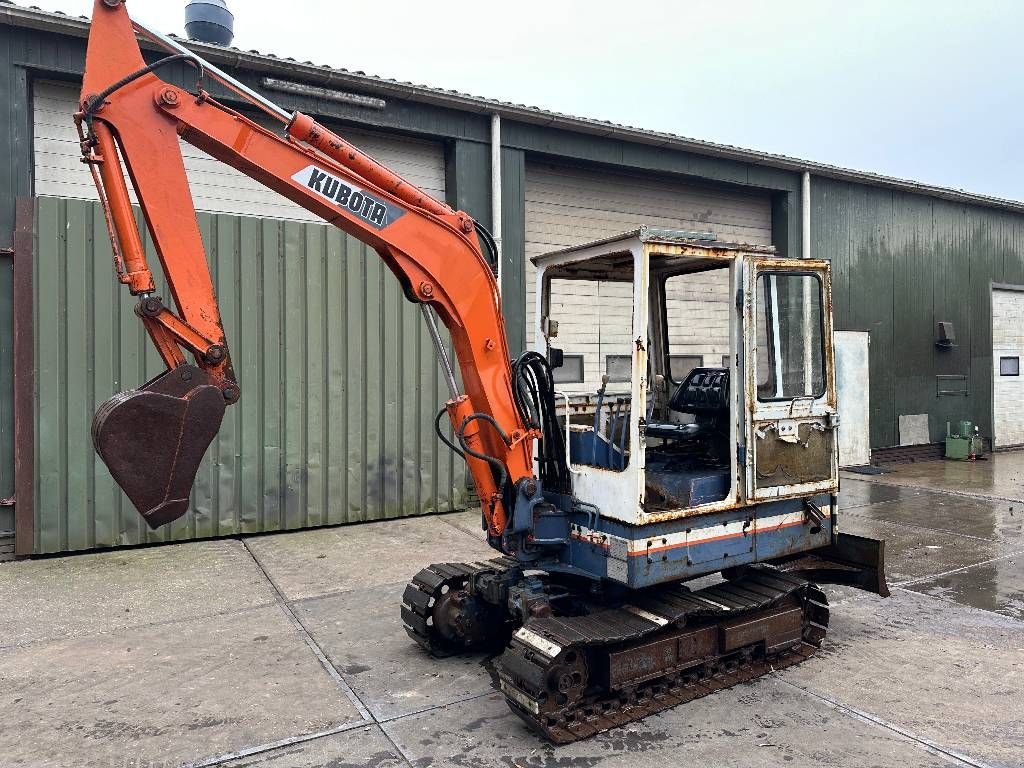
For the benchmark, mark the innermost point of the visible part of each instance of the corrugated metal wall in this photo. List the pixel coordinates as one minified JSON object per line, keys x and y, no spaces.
{"x":339,"y":380}
{"x":901,"y":264}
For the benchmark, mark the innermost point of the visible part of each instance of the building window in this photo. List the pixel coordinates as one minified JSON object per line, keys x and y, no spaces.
{"x":679,"y":366}
{"x":619,"y":368}
{"x":1009,"y":366}
{"x":571,"y":371}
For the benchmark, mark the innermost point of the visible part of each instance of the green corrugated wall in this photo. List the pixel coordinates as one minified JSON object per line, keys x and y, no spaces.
{"x":339,"y":380}
{"x":902,"y":263}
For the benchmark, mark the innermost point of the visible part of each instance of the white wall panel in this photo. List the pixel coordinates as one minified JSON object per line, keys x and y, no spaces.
{"x":1007,"y":389}
{"x":216,"y":188}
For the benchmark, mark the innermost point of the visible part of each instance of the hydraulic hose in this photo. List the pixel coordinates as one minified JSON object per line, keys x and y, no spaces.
{"x":500,"y":469}
{"x":441,"y":436}
{"x":97,"y":101}
{"x":534,"y":393}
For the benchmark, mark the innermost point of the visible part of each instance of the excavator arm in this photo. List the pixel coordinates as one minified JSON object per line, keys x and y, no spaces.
{"x":153,"y":438}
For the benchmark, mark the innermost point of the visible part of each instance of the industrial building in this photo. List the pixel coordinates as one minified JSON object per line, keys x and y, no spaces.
{"x":933,"y":278}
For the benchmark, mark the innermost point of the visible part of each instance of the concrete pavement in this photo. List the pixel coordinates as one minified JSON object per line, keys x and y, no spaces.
{"x":287,"y":650}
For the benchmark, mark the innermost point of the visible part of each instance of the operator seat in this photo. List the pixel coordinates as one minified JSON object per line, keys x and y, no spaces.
{"x":704,"y":393}
{"x":691,"y":466}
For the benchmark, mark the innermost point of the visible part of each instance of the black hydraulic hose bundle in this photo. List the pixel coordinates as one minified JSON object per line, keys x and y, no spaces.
{"x":490,"y":245}
{"x":533,"y":387}
{"x":441,"y":435}
{"x":500,"y":470}
{"x":534,"y":392}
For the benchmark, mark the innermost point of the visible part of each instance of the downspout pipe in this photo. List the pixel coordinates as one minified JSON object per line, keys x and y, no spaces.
{"x":496,"y":192}
{"x":805,"y":216}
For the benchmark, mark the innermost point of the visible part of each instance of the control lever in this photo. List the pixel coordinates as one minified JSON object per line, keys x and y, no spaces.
{"x":597,"y":417}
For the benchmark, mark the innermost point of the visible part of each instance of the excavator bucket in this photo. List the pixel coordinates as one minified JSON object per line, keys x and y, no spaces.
{"x":153,"y":438}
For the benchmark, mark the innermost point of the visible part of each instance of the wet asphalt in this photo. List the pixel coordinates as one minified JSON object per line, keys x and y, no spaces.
{"x":287,"y":650}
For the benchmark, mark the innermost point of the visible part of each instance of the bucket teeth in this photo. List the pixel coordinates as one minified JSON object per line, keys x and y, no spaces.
{"x":153,"y":439}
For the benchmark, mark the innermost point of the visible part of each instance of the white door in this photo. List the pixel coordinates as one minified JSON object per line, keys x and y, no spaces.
{"x":1007,"y":354}
{"x":790,"y":378}
{"x":852,"y":387}
{"x":216,"y":188}
{"x":568,"y":206}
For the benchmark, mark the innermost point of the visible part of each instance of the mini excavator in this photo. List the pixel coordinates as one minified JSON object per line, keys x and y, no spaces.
{"x":655,"y":543}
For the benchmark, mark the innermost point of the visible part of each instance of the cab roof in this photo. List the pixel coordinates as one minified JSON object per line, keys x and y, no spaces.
{"x":671,"y":252}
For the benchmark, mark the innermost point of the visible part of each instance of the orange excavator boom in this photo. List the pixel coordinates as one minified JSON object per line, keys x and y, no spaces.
{"x":153,"y":439}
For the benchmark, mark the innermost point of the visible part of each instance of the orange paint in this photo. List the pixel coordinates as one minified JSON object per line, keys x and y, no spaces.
{"x":419,"y":238}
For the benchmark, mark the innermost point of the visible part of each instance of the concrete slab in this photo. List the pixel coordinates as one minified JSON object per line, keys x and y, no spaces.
{"x":111,"y":591}
{"x":326,"y":560}
{"x":914,"y":553}
{"x":940,"y":671}
{"x":1000,"y":476}
{"x":364,"y":747}
{"x":468,"y":521}
{"x":854,"y":492}
{"x":362,"y":635}
{"x":164,"y":694}
{"x":765,"y":723}
{"x":997,"y":520}
{"x":997,"y":586}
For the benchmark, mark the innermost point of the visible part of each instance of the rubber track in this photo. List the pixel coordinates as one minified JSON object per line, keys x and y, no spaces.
{"x":594,"y":712}
{"x":427,"y":586}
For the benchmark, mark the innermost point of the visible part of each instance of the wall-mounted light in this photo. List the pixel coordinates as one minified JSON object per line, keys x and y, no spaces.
{"x":328,"y":94}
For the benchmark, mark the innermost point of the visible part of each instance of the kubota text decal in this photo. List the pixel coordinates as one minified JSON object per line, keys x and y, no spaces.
{"x":376,"y":212}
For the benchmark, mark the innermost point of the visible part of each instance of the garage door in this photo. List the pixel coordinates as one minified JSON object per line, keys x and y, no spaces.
{"x":1007,"y":354}
{"x":215,"y":187}
{"x":568,"y":206}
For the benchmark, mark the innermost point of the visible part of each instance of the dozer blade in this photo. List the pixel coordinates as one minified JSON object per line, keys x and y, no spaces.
{"x":152,"y":439}
{"x":854,"y":561}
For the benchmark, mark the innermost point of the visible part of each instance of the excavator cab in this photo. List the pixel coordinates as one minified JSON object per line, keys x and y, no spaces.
{"x":701,"y":379}
{"x":699,"y":399}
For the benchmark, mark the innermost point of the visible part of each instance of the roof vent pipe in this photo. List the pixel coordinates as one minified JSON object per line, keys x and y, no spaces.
{"x":209,"y":21}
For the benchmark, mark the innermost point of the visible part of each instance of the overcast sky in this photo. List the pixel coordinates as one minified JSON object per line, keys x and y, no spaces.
{"x":922,"y":89}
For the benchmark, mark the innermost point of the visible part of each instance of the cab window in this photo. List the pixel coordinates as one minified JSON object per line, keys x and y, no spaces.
{"x":790,"y":332}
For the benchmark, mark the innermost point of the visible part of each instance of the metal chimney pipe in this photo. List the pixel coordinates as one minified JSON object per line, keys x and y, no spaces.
{"x":209,"y":21}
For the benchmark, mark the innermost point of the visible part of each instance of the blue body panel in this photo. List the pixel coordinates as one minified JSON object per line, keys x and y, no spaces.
{"x":595,"y":450}
{"x":643,"y":556}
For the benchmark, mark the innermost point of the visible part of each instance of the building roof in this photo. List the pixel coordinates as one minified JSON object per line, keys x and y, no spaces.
{"x":35,"y":18}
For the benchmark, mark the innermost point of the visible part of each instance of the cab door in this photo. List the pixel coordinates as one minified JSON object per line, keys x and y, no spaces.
{"x":791,"y":440}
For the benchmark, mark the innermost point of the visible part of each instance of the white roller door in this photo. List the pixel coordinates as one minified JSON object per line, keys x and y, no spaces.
{"x":1007,"y":353}
{"x":215,"y":187}
{"x":569,"y":206}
